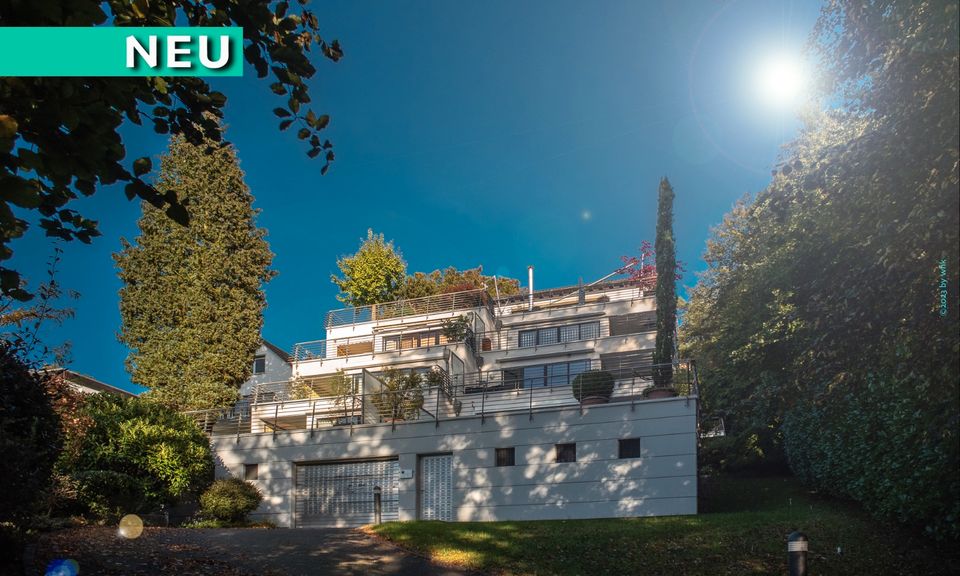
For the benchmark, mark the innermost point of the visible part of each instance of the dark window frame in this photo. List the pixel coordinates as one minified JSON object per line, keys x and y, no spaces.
{"x":538,"y":339}
{"x":251,"y":472}
{"x":566,"y":452}
{"x":262,"y":359}
{"x":505,"y":456}
{"x":629,"y":448}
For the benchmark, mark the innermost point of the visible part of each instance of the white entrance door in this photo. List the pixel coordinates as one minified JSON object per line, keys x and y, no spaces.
{"x":436,"y":487}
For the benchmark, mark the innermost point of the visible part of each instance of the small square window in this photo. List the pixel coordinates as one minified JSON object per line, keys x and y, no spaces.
{"x":251,"y":471}
{"x":630,"y":448}
{"x":528,"y":338}
{"x":566,"y":452}
{"x":506,"y":457}
{"x":259,"y":364}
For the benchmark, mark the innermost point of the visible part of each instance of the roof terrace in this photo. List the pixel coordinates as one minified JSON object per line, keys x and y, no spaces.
{"x":437,"y":304}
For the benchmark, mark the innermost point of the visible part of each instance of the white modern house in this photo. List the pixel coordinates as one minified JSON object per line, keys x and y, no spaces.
{"x":494,"y":430}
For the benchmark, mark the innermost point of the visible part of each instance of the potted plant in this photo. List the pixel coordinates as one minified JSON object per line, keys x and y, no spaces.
{"x":401,"y":396}
{"x":593,"y":387}
{"x":456,"y":329}
{"x":662,"y":383}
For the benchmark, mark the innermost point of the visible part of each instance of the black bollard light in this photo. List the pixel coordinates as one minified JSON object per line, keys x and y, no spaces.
{"x":797,"y":554}
{"x":376,"y":504}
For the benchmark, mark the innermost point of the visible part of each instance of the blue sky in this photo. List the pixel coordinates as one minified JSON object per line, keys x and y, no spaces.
{"x":498,"y":134}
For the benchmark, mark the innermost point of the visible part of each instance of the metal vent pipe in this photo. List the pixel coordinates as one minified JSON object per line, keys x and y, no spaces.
{"x":530,"y":284}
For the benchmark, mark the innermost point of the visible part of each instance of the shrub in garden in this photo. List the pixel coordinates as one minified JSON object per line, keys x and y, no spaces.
{"x":30,"y":438}
{"x":230,"y":500}
{"x":133,"y":455}
{"x":593,"y":383}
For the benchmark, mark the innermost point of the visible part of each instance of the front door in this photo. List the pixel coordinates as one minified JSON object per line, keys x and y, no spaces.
{"x":436,"y":487}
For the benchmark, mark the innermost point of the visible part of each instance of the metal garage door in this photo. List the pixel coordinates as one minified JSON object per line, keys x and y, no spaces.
{"x":341,"y":494}
{"x":436,"y":487}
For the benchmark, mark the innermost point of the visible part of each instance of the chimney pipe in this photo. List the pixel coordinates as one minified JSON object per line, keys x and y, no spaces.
{"x":530,"y":284}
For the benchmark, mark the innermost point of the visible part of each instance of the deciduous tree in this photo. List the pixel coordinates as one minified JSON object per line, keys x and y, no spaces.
{"x":373,"y":274}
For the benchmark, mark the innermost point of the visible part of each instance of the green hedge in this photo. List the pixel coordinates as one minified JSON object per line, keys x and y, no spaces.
{"x":891,"y":445}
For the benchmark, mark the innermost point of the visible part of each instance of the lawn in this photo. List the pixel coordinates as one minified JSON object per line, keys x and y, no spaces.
{"x":742,"y":530}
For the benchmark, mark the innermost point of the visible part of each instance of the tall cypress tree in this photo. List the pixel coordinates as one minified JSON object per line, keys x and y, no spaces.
{"x":665,"y":249}
{"x":192,"y":301}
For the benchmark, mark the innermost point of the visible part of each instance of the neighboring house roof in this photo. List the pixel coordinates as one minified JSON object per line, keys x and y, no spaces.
{"x":87,"y":383}
{"x":276,"y":350}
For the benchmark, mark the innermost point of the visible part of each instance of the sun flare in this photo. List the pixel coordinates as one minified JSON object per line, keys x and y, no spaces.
{"x":782,"y":81}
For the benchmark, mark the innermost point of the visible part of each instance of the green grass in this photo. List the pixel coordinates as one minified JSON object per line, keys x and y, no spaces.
{"x":742,"y":530}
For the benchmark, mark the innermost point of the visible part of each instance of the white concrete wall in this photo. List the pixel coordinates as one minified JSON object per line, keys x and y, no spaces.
{"x":662,"y":482}
{"x":277,"y":370}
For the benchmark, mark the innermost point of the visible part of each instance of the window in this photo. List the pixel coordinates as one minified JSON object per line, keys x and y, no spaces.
{"x":413,"y":340}
{"x":259,"y":364}
{"x":556,"y":334}
{"x":506,"y":457}
{"x":528,"y":338}
{"x":633,"y":323}
{"x":251,"y":471}
{"x":566,"y":452}
{"x":629,"y":448}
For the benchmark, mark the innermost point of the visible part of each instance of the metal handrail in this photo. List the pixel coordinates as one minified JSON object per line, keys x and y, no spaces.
{"x":509,"y":339}
{"x":485,"y":397}
{"x":506,"y":339}
{"x":436,"y":304}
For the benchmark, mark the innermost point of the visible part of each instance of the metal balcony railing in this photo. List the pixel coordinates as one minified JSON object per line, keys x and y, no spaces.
{"x":437,"y":304}
{"x":337,"y":348}
{"x":538,"y":336}
{"x":279,"y":407}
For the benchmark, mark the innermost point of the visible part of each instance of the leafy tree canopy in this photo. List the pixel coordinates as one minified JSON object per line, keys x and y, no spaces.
{"x":192,"y":300}
{"x":59,"y":137}
{"x":452,"y":280}
{"x":826,"y":325}
{"x":373,"y":274}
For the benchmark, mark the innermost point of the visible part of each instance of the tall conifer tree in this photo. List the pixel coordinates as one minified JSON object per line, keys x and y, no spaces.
{"x":192,"y":301}
{"x":665,"y":249}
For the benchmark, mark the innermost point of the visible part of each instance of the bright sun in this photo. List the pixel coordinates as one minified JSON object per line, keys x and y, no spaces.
{"x":782,"y":81}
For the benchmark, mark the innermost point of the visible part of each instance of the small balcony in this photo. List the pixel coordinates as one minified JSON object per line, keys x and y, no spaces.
{"x":312,"y":406}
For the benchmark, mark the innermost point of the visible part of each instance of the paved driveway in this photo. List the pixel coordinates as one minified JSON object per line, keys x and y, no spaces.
{"x":308,"y":551}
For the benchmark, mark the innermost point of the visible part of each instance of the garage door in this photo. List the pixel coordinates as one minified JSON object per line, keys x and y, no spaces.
{"x":341,"y":494}
{"x":436,"y":487}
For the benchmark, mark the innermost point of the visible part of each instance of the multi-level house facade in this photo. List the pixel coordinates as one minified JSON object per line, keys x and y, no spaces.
{"x":461,"y":407}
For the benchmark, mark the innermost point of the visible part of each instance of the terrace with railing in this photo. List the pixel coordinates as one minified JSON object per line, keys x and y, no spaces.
{"x":310,"y":406}
{"x":439,"y":304}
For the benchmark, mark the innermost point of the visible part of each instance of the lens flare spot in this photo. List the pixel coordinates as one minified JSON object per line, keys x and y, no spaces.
{"x":62,"y":567}
{"x":131,"y":526}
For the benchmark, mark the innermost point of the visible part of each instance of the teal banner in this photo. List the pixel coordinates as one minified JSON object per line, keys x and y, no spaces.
{"x":121,"y":51}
